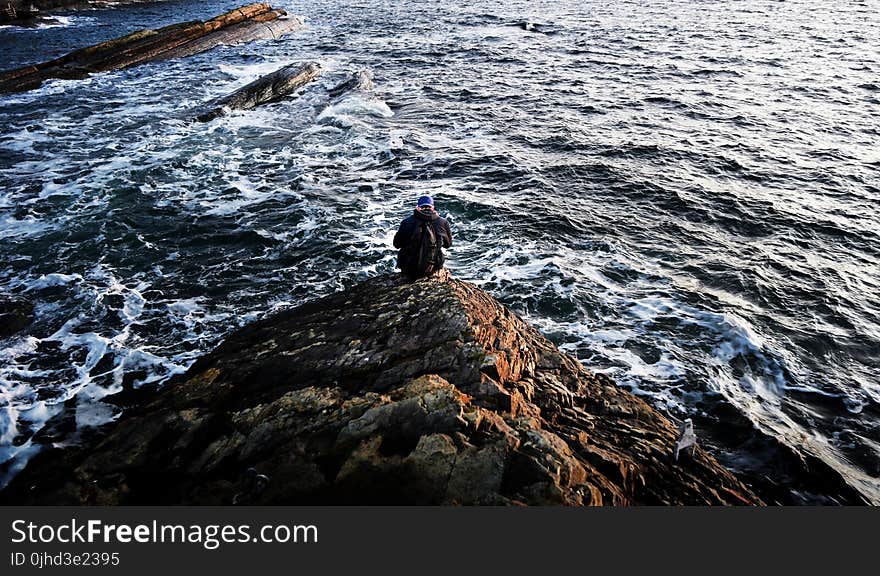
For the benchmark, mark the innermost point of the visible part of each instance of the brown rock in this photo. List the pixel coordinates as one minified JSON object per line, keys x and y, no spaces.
{"x":252,"y":22}
{"x":382,"y":394}
{"x":269,"y":88}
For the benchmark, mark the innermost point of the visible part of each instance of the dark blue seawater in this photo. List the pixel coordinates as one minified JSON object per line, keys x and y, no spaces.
{"x":683,"y":194}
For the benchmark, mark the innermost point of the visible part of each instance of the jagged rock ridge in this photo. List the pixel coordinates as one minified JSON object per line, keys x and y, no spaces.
{"x":252,"y":22}
{"x":269,"y":88}
{"x":390,"y":392}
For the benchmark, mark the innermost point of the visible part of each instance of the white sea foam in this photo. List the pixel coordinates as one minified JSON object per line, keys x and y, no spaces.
{"x":352,"y":106}
{"x":48,"y":21}
{"x":61,"y":21}
{"x":21,"y":228}
{"x":321,"y":162}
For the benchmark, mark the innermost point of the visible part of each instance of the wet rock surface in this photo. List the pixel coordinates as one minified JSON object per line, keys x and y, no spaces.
{"x":269,"y":88}
{"x":248,"y":23}
{"x":387,"y":393}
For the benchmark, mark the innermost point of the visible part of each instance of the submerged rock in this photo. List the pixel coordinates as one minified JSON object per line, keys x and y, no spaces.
{"x":547,"y":29}
{"x":389,"y":392}
{"x":269,"y":88}
{"x":362,"y":81}
{"x":245,"y":24}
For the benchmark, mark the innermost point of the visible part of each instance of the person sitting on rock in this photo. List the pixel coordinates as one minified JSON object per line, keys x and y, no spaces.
{"x":421,"y":239}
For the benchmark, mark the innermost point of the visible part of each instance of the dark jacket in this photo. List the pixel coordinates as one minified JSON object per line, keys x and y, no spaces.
{"x":409,"y":226}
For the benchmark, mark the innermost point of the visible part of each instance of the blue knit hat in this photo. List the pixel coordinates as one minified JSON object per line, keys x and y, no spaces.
{"x":425,"y":201}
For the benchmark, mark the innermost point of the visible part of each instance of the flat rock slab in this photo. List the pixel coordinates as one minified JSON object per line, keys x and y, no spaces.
{"x":387,"y":393}
{"x":269,"y":88}
{"x":248,"y":23}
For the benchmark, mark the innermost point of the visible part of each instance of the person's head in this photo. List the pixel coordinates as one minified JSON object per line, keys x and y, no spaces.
{"x":425,"y":203}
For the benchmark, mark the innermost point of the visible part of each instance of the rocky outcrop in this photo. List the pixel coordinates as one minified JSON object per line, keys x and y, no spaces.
{"x":16,"y":314}
{"x":265,"y":25}
{"x":25,"y":11}
{"x":359,"y":81}
{"x":390,"y":392}
{"x":245,"y":24}
{"x":269,"y":88}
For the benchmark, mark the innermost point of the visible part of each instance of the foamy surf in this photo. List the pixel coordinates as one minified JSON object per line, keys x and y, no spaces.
{"x":678,"y":240}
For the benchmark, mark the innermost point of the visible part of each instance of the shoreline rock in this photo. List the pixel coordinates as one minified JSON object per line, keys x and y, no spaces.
{"x":265,"y":89}
{"x":387,"y":393}
{"x":244,"y":24}
{"x":25,"y":12}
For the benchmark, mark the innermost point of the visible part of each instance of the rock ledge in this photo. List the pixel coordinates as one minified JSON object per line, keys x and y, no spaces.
{"x":387,"y":393}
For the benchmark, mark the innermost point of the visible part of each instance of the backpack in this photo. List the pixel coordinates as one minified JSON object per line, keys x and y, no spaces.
{"x":420,"y":255}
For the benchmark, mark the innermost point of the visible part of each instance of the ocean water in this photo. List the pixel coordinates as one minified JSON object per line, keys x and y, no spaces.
{"x":685,"y":195}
